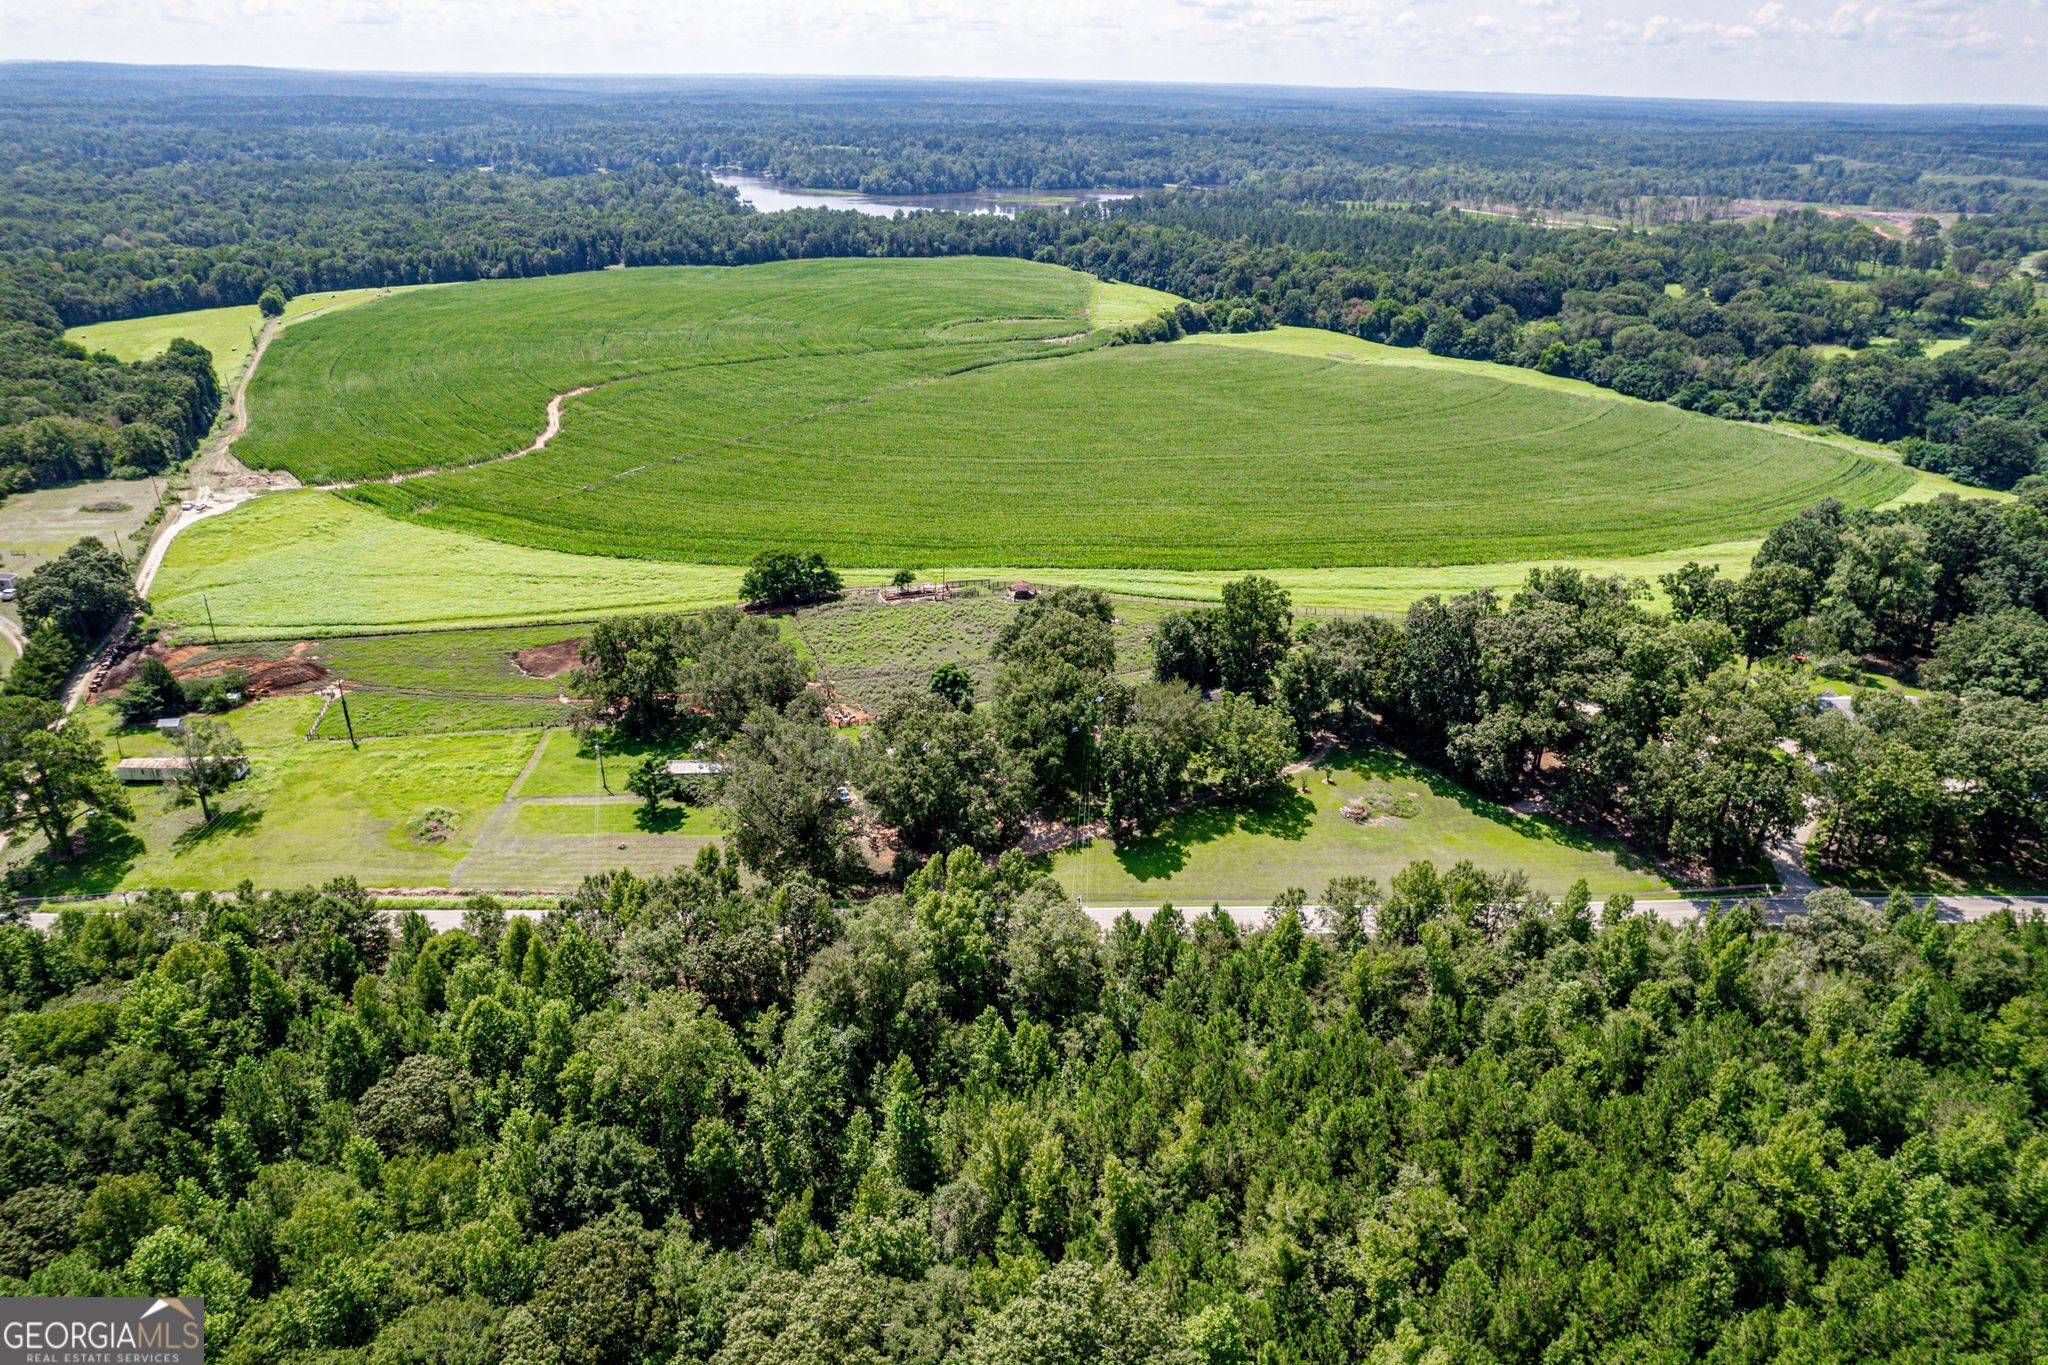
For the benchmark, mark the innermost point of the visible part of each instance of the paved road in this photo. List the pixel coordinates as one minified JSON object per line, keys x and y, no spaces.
{"x":1671,"y":910}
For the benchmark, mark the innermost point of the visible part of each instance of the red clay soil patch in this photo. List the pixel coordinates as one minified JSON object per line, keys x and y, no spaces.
{"x":295,"y":672}
{"x":549,"y":661}
{"x":839,"y":714}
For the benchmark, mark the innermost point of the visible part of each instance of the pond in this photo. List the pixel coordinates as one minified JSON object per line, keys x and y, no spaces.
{"x":770,"y":196}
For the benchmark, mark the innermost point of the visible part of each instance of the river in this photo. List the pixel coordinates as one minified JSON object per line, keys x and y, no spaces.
{"x":770,"y":196}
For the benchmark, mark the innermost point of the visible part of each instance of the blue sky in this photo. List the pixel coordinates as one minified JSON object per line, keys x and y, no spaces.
{"x":1945,"y":51}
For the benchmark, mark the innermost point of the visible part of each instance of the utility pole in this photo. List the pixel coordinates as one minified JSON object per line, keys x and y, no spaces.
{"x":601,"y":781}
{"x":210,"y":627}
{"x":346,"y":718}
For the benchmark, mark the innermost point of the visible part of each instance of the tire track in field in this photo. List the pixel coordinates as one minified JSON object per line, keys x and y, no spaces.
{"x":553,"y":426}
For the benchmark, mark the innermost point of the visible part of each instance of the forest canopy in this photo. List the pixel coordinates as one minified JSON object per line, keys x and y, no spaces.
{"x":678,"y":1119}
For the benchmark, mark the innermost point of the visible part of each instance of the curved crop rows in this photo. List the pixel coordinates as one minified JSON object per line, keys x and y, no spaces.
{"x":938,"y":412}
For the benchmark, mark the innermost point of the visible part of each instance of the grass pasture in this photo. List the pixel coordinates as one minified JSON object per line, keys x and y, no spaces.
{"x":38,"y":525}
{"x":421,"y":683}
{"x":1249,"y":854}
{"x":383,"y":714}
{"x":41,"y":523}
{"x":870,"y":651}
{"x":228,"y":333}
{"x":310,"y":563}
{"x":409,"y":810}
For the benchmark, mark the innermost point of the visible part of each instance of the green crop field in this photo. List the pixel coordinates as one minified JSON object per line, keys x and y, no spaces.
{"x":939,"y":412}
{"x":1175,"y":457}
{"x":463,"y":373}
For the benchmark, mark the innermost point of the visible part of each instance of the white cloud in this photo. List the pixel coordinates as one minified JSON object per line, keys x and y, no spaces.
{"x":1921,"y":50}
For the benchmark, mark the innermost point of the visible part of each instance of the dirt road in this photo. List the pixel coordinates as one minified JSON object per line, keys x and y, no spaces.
{"x":1671,"y":910}
{"x":548,"y":432}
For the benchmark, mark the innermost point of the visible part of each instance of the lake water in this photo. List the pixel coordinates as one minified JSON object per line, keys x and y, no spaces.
{"x":770,"y":196}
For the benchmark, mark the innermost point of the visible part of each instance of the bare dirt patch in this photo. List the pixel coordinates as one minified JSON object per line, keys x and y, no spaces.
{"x":549,"y":661}
{"x":288,"y":674}
{"x":1894,"y":223}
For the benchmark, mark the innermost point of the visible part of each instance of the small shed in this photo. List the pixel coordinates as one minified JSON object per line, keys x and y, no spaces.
{"x":1022,"y":592}
{"x":171,"y":725}
{"x":166,"y":767}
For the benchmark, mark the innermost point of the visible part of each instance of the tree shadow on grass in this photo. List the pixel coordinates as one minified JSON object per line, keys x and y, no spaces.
{"x":228,"y":824}
{"x":621,"y":748}
{"x":665,"y":820}
{"x":1389,"y":766}
{"x":1282,"y":813}
{"x":111,"y":852}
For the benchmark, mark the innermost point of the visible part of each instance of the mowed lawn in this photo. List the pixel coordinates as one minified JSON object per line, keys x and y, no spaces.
{"x":1165,"y":457}
{"x":1249,"y":854}
{"x":420,"y":810}
{"x":308,"y":811}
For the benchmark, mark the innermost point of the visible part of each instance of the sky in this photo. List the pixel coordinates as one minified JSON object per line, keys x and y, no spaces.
{"x":1889,"y":51}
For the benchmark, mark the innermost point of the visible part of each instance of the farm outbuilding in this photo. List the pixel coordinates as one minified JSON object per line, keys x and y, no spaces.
{"x":166,"y":767}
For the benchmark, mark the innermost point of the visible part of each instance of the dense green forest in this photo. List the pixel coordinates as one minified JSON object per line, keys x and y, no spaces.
{"x":682,"y":1120}
{"x":66,"y":416}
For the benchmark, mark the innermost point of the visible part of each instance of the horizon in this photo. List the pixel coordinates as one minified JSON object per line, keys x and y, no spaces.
{"x":1874,"y":53}
{"x":542,"y":78}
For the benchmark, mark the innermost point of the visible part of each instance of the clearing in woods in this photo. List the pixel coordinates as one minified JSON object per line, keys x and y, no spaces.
{"x":957,"y":411}
{"x":228,"y":333}
{"x":1251,"y":852}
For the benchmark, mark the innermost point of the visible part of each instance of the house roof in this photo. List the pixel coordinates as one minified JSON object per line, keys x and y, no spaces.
{"x":168,"y":763}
